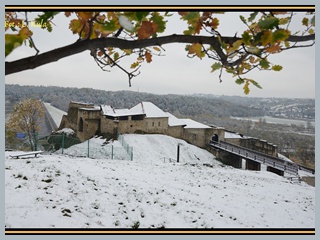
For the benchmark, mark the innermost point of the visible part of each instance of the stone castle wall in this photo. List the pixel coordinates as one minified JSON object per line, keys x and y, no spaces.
{"x":88,"y":122}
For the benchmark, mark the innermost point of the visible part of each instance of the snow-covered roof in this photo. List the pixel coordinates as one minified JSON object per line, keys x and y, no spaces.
{"x":93,"y":108}
{"x":81,"y":103}
{"x":55,"y":113}
{"x":174,"y":121}
{"x":107,"y":110}
{"x":232,"y":135}
{"x":193,"y":124}
{"x":110,"y":111}
{"x":149,"y":109}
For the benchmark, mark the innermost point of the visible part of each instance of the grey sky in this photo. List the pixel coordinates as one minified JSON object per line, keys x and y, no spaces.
{"x":173,"y":73}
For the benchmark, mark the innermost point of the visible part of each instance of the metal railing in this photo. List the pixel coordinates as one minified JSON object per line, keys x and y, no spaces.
{"x":265,"y":159}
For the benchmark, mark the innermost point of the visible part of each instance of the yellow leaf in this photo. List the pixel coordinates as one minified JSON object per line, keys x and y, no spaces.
{"x":134,"y":65}
{"x":196,"y":48}
{"x":12,"y":41}
{"x":266,"y":37}
{"x":76,"y":25}
{"x":127,"y":51}
{"x":246,"y":88}
{"x":305,"y":22}
{"x":25,"y":33}
{"x":234,"y":46}
{"x":287,"y":44}
{"x":157,"y":49}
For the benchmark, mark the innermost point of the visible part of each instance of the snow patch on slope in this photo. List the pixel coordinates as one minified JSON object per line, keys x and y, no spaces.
{"x":56,"y":191}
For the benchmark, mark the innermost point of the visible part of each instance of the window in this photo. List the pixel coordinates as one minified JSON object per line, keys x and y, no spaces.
{"x":152,"y":124}
{"x":80,"y":125}
{"x":158,"y":124}
{"x":137,"y":117}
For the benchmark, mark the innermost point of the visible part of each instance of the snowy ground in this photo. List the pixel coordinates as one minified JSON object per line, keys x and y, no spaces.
{"x":149,"y":192}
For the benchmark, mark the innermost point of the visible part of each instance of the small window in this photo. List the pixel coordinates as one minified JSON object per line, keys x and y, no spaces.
{"x":158,"y":124}
{"x":152,"y":124}
{"x":137,"y":117}
{"x":80,"y":128}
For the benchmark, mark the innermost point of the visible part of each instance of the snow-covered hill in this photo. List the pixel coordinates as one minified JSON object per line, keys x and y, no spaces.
{"x":150,"y":192}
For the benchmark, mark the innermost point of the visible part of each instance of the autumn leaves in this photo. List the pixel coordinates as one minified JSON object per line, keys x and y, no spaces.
{"x":266,"y":32}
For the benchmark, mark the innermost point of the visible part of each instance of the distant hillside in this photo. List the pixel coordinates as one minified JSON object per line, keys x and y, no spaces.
{"x":180,"y":105}
{"x":204,"y":105}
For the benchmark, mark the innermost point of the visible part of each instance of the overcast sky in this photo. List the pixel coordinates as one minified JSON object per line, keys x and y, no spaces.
{"x":173,"y":73}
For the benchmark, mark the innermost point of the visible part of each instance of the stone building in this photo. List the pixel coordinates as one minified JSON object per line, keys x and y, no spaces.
{"x":88,"y":120}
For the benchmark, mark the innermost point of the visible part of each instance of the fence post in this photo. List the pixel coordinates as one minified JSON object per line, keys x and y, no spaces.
{"x":178,"y":152}
{"x":131,"y":153}
{"x":111,"y":151}
{"x":62,"y":142}
{"x":88,"y":148}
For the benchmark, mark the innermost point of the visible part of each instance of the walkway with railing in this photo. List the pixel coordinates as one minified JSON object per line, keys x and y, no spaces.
{"x":261,"y":158}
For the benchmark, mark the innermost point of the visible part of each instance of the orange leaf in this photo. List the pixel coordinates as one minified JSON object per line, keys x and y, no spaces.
{"x":183,"y":13}
{"x":273,"y":49}
{"x":155,"y":27}
{"x":198,"y":27}
{"x":85,"y":15}
{"x":148,"y":57}
{"x":278,"y":13}
{"x":251,"y":59}
{"x":147,"y":29}
{"x":214,"y":23}
{"x":67,"y":14}
{"x":100,"y":53}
